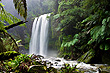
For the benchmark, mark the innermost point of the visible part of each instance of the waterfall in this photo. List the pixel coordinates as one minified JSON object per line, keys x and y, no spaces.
{"x":39,"y":37}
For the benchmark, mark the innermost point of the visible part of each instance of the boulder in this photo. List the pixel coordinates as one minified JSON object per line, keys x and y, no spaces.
{"x":37,"y":68}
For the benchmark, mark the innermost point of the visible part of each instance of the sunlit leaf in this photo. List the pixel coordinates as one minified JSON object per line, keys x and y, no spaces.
{"x":108,"y":19}
{"x":104,"y":21}
{"x":107,"y":47}
{"x":102,"y":46}
{"x":107,"y":38}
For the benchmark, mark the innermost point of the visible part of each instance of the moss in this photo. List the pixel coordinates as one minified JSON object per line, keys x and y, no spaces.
{"x":87,"y":56}
{"x":105,"y":69}
{"x":7,"y":55}
{"x":37,"y":68}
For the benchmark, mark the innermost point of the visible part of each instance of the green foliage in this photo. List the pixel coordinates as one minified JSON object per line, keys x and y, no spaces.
{"x":21,"y":7}
{"x":68,"y":69}
{"x":69,"y":15}
{"x":87,"y":57}
{"x":25,"y":63}
{"x":7,"y":55}
{"x":19,"y":64}
{"x":68,"y":46}
{"x":27,"y":40}
{"x":70,"y":43}
{"x":96,"y":27}
{"x":5,"y":16}
{"x":7,"y":41}
{"x":92,"y":20}
{"x":100,"y":30}
{"x":31,"y":63}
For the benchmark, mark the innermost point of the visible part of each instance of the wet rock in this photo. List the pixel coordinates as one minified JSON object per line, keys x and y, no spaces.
{"x":66,"y":57}
{"x":37,"y":68}
{"x":37,"y":57}
{"x":40,"y":56}
{"x":104,"y":68}
{"x":58,"y":60}
{"x":83,"y":67}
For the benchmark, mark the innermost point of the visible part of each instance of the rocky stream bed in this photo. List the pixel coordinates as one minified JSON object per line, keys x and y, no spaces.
{"x":59,"y":63}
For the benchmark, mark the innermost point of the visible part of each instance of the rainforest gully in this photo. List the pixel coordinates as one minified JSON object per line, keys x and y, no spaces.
{"x":55,"y":36}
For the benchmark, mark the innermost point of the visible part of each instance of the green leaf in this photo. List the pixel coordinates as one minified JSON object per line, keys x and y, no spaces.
{"x":107,"y":38}
{"x":102,"y":46}
{"x":66,"y":45}
{"x":87,"y":19}
{"x":74,"y":41}
{"x":107,"y":47}
{"x":104,"y":21}
{"x":1,"y":5}
{"x":69,"y":44}
{"x":108,"y":19}
{"x":62,"y":29}
{"x":76,"y":35}
{"x":56,"y":16}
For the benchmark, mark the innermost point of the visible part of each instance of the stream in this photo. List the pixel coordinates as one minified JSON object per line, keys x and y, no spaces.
{"x":60,"y":62}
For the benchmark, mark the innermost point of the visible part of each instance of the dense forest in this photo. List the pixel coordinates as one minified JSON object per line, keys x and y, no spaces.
{"x":84,"y":28}
{"x":79,"y":30}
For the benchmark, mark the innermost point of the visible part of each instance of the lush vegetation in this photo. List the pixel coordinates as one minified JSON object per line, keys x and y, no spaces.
{"x":80,"y":27}
{"x":7,"y":21}
{"x":29,"y":64}
{"x":83,"y":25}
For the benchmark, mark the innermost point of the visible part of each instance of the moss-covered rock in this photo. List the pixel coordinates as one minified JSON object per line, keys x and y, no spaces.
{"x":103,"y":68}
{"x":37,"y":69}
{"x":7,"y":55}
{"x":87,"y":57}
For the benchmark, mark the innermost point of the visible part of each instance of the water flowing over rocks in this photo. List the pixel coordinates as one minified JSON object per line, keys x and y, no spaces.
{"x":58,"y":63}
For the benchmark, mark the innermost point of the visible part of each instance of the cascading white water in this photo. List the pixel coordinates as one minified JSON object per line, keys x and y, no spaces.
{"x":39,"y":37}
